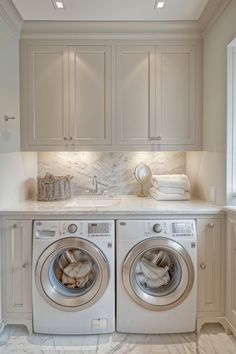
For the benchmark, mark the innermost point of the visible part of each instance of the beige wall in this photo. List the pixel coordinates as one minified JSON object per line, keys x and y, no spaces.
{"x":210,"y":165}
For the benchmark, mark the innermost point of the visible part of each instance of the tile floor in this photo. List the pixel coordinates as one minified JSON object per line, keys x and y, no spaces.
{"x":212,"y":340}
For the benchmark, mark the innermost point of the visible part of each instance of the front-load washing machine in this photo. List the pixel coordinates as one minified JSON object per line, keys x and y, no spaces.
{"x":73,"y":277}
{"x":156,"y":276}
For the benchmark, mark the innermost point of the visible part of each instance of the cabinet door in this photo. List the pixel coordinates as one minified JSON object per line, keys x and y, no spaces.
{"x":18,"y":235}
{"x":176,"y":94}
{"x":210,"y":266}
{"x":90,"y":95}
{"x":231,"y":270}
{"x":135,"y":95}
{"x":48,"y":120}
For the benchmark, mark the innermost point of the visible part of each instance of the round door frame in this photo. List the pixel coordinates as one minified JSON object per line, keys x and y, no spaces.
{"x":74,"y":303}
{"x":148,"y":301}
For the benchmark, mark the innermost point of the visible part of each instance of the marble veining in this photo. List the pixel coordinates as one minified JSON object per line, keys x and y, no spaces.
{"x":212,"y":340}
{"x":114,"y":170}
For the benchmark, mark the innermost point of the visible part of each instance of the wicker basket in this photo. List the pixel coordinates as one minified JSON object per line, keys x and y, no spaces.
{"x":54,"y":187}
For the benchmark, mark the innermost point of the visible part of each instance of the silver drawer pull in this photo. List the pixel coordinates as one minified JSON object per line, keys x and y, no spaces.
{"x":202,"y":266}
{"x":25,"y":265}
{"x":152,"y":138}
{"x":158,"y":137}
{"x":211,"y":225}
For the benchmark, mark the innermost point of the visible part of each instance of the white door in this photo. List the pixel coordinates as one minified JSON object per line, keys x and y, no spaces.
{"x":175,"y":94}
{"x":135,"y":95}
{"x":47,"y":109}
{"x":210,"y":267}
{"x":17,"y":277}
{"x":90,"y":95}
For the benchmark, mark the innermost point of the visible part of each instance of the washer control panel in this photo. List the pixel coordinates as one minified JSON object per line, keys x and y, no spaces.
{"x":48,"y":229}
{"x":171,"y":228}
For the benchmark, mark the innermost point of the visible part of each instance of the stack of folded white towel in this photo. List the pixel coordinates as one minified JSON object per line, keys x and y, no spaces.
{"x":170,"y":187}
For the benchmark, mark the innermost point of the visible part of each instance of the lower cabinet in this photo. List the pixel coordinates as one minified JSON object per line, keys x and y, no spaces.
{"x":211,"y":268}
{"x":16,"y":269}
{"x":231,"y":271}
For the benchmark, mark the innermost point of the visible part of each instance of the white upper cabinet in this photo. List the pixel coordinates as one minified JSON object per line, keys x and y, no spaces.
{"x":45,"y":106}
{"x":111,"y":95}
{"x":135,"y":96}
{"x":176,"y":95}
{"x":90,"y":95}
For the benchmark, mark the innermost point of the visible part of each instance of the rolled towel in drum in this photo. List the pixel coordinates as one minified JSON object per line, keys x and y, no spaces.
{"x":78,"y":269}
{"x":68,"y":281}
{"x":152,"y":275}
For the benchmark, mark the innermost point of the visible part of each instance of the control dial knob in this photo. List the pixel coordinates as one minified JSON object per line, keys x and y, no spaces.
{"x":72,"y":228}
{"x":157,"y":228}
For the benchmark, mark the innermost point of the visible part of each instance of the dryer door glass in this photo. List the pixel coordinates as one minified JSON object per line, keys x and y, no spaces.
{"x":158,"y":273}
{"x":72,"y":274}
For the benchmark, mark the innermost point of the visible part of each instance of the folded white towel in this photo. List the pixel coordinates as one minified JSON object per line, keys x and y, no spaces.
{"x":171,"y":181}
{"x":156,"y":194}
{"x":170,"y":190}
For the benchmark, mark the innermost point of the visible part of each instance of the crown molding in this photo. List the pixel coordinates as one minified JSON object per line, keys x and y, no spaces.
{"x":110,"y":29}
{"x":121,"y":29}
{"x":211,"y":13}
{"x":11,"y":16}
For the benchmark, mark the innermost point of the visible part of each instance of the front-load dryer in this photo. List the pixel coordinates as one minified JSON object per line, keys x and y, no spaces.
{"x":156,"y":276}
{"x":73,"y":277}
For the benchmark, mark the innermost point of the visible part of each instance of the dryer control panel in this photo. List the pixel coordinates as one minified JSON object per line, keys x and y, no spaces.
{"x":171,"y":228}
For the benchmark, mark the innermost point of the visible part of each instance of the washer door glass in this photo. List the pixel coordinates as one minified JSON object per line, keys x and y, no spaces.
{"x":72,"y":274}
{"x":158,"y":273}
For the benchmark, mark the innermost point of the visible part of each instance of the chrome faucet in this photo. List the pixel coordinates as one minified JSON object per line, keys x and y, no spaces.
{"x":95,"y":185}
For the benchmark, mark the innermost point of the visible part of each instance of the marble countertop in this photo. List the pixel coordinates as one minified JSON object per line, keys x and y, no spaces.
{"x":123,"y":205}
{"x":230,"y":209}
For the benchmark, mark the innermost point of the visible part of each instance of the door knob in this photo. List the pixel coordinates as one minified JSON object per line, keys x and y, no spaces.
{"x":202,"y":266}
{"x":25,"y":266}
{"x":211,"y":225}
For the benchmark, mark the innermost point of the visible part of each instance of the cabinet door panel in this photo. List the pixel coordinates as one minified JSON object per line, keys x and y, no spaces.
{"x":231,"y":270}
{"x":176,"y":71}
{"x":18,"y":266}
{"x":90,"y":94}
{"x":210,"y":265}
{"x":48,"y":95}
{"x":135,"y":94}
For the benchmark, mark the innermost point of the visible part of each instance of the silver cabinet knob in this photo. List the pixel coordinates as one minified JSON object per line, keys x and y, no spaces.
{"x":203,"y":266}
{"x":152,"y":138}
{"x":16,"y":226}
{"x":158,"y":137}
{"x":71,"y":138}
{"x":157,"y":228}
{"x":25,"y":265}
{"x":211,"y":225}
{"x":65,"y":138}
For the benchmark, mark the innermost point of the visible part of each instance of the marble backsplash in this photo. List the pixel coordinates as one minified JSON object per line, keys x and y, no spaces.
{"x":114,"y":170}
